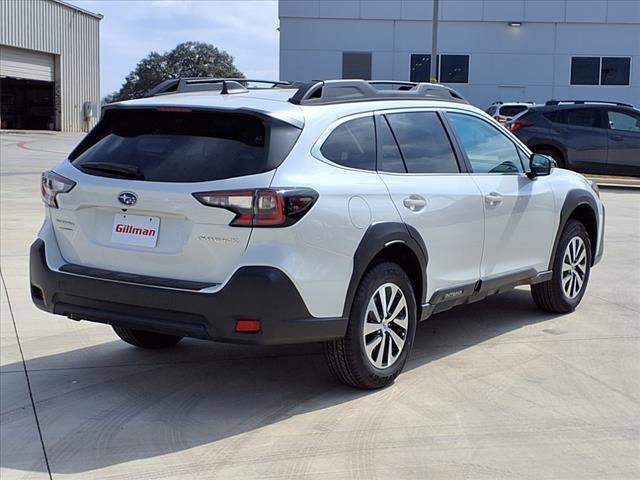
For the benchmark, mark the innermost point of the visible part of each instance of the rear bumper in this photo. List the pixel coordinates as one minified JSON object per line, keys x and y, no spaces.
{"x":255,"y":293}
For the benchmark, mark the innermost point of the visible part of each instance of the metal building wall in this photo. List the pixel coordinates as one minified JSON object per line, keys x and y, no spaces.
{"x":530,"y":62}
{"x":73,"y":36}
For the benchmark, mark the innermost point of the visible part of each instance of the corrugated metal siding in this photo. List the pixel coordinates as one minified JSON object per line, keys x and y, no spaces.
{"x":73,"y":36}
{"x":21,"y":63}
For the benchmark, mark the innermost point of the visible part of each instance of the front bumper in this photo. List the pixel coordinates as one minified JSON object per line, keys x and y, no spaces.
{"x":255,"y":293}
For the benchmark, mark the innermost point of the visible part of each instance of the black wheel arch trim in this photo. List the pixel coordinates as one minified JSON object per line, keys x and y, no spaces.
{"x":377,"y":237}
{"x":574,"y":199}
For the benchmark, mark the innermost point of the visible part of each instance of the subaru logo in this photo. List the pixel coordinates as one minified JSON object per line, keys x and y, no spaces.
{"x":128,"y":198}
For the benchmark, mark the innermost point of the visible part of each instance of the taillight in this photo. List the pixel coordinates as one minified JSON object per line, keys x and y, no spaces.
{"x":262,"y":207}
{"x":515,"y":126}
{"x":51,"y":185}
{"x":500,"y":118}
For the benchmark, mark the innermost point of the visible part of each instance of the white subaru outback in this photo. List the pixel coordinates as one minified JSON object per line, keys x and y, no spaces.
{"x":341,"y":212}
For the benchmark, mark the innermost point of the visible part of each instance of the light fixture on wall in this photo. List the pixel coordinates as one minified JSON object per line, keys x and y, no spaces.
{"x":515,"y":24}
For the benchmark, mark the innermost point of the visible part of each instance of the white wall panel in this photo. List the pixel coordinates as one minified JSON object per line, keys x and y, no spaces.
{"x":339,"y":9}
{"x":413,"y":36}
{"x":380,"y":9}
{"x":544,"y":11}
{"x":417,"y":9}
{"x":511,"y":69}
{"x":606,"y":39}
{"x":496,"y":37}
{"x":297,"y":8}
{"x":624,"y":11}
{"x":586,"y":11}
{"x":501,"y":11}
{"x":330,"y":34}
{"x":461,"y":10}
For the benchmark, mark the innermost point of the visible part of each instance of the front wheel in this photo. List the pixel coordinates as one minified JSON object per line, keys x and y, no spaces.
{"x":571,"y":269}
{"x":380,"y":333}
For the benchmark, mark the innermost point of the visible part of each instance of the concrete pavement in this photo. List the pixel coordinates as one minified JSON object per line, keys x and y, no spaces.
{"x":492,"y":390}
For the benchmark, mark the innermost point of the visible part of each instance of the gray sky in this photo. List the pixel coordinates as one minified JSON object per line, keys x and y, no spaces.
{"x":131,"y":29}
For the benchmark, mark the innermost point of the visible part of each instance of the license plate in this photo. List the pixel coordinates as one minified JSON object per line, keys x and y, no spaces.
{"x":135,"y":230}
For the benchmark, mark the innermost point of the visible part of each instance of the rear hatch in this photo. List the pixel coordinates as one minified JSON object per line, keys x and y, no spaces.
{"x":133,"y":210}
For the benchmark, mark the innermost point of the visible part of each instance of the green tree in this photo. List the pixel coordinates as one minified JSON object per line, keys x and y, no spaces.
{"x":188,"y":59}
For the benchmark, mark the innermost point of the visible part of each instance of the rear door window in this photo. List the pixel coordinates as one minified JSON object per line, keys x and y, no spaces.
{"x":352,"y":144}
{"x":423,"y":142}
{"x":181,"y":145}
{"x":624,"y":121}
{"x":583,"y":117}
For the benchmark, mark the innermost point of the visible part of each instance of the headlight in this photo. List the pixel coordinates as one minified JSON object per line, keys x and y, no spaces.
{"x":53,"y":184}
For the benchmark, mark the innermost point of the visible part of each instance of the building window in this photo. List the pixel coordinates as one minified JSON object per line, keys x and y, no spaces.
{"x":356,"y":65}
{"x":450,"y":68}
{"x":615,"y":71}
{"x":454,"y":69}
{"x":600,"y":70}
{"x":420,"y":67}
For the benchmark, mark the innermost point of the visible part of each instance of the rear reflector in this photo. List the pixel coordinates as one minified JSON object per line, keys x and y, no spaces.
{"x":247,"y":326}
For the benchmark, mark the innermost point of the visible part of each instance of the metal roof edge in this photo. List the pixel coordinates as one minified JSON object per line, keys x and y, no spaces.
{"x":99,"y":16}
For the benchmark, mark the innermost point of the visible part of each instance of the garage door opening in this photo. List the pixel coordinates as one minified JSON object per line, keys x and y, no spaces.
{"x":27,"y":104}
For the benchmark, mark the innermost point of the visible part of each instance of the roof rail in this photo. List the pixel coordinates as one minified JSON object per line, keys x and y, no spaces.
{"x":222,"y":85}
{"x":583,"y":102}
{"x":326,"y":92}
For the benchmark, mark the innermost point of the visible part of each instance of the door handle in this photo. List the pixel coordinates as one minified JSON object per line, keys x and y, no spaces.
{"x":415,"y":203}
{"x":493,"y":199}
{"x":616,"y":138}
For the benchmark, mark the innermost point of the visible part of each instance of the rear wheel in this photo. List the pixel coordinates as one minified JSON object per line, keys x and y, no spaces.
{"x":144,"y":339}
{"x":381,"y":328}
{"x":571,"y":269}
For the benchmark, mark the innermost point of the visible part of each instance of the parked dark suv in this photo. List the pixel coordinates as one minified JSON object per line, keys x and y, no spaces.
{"x":593,"y":137}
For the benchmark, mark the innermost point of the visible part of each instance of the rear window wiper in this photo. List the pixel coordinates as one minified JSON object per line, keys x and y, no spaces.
{"x":124,"y":170}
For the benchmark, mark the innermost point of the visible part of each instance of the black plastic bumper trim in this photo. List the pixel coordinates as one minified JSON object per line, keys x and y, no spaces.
{"x":134,"y":278}
{"x":257,"y":292}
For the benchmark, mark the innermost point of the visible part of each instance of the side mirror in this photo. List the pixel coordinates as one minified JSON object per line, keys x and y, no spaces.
{"x":540,"y":165}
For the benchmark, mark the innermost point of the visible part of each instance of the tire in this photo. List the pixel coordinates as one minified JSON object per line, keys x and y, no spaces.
{"x":564,"y":291}
{"x":144,"y":339}
{"x":553,"y":154}
{"x":347,"y":358}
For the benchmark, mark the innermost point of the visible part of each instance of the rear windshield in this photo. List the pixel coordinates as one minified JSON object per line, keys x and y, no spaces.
{"x":512,"y":110}
{"x":171,"y":145}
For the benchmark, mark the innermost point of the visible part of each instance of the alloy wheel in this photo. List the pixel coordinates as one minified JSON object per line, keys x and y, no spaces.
{"x":574,"y":267}
{"x":386,"y":324}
